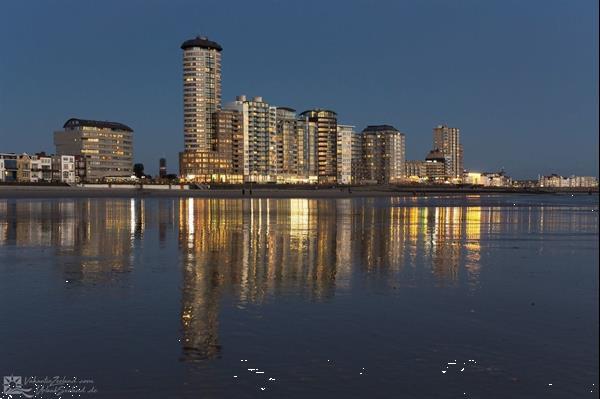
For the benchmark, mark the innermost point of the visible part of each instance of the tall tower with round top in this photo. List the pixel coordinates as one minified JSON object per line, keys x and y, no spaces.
{"x":201,"y":98}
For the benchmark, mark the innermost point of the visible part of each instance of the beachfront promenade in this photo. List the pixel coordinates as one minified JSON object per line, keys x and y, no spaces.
{"x":261,"y":191}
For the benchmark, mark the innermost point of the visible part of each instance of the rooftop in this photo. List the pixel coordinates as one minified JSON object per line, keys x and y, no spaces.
{"x":202,"y":42}
{"x":435,"y":155}
{"x":317,"y":110}
{"x":287,"y":109}
{"x":380,"y":128}
{"x":74,"y":122}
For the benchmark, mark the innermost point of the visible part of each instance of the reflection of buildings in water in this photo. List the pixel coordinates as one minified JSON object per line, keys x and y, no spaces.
{"x":472,"y":245}
{"x":165,"y":219}
{"x":343,"y":244}
{"x":36,"y":223}
{"x":445,"y":231}
{"x":455,"y":234}
{"x":380,"y":236}
{"x":105,"y":233}
{"x":258,"y":248}
{"x":208,"y":237}
{"x":91,"y":238}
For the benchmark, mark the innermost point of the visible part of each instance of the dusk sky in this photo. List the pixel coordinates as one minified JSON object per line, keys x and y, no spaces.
{"x":519,"y":78}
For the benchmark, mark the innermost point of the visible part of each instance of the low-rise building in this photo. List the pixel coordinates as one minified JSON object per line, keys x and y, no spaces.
{"x":107,"y":146}
{"x":416,"y":171}
{"x":41,"y":168}
{"x":583,"y":181}
{"x":38,"y":168}
{"x":554,"y":180}
{"x":63,"y":168}
{"x":8,"y":167}
{"x":23,"y":168}
{"x":488,"y":179}
{"x":435,"y":166}
{"x":557,"y":181}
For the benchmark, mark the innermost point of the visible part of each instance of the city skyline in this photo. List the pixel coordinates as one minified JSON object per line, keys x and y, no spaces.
{"x":578,"y":155}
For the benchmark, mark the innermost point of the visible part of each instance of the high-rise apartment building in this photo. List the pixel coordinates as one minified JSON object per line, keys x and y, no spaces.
{"x":447,"y":140}
{"x":201,"y":99}
{"x":259,"y":138}
{"x":384,"y":154}
{"x":326,"y":122}
{"x":286,"y":143}
{"x":229,"y":145}
{"x":357,"y":157}
{"x":344,"y":153}
{"x":106,"y":146}
{"x":307,"y":131}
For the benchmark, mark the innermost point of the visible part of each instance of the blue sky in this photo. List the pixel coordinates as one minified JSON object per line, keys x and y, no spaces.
{"x":520,"y":78}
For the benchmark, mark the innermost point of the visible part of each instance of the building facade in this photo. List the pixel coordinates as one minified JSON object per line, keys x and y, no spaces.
{"x":201,"y":99}
{"x":447,"y":140}
{"x":8,"y":167}
{"x":557,"y":181}
{"x":307,"y":131}
{"x":162,"y":168}
{"x":344,"y":153}
{"x":488,"y":179}
{"x":38,"y":168}
{"x":286,"y":144}
{"x":357,"y":157}
{"x":41,"y":168}
{"x":106,"y":146}
{"x":326,"y":143}
{"x":229,"y":146}
{"x":384,"y":154}
{"x":259,"y":138}
{"x":63,"y":169}
{"x":435,"y":166}
{"x":416,"y":170}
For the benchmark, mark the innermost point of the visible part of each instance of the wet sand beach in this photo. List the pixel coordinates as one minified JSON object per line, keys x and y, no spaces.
{"x":44,"y":191}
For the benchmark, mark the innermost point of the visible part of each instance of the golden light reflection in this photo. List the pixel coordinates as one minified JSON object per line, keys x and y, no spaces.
{"x":254,"y":250}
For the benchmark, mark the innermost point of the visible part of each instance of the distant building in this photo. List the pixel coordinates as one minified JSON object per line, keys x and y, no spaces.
{"x":383,"y":152}
{"x":38,"y":168}
{"x":416,"y":170}
{"x":435,"y":166}
{"x":583,"y":181}
{"x":259,"y":138}
{"x":525,"y":183}
{"x":447,"y":140}
{"x":357,"y":158}
{"x":63,"y":168}
{"x":8,"y":168}
{"x":488,"y":179}
{"x":307,"y":132}
{"x":201,"y":99}
{"x":326,"y":159}
{"x":287,"y":144}
{"x":228,"y":146}
{"x":107,"y":146}
{"x":344,"y":153}
{"x":557,"y":181}
{"x":81,"y":168}
{"x":162,"y":168}
{"x":41,"y":167}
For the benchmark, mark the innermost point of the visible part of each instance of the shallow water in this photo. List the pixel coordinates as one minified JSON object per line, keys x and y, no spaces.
{"x":347,"y":298}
